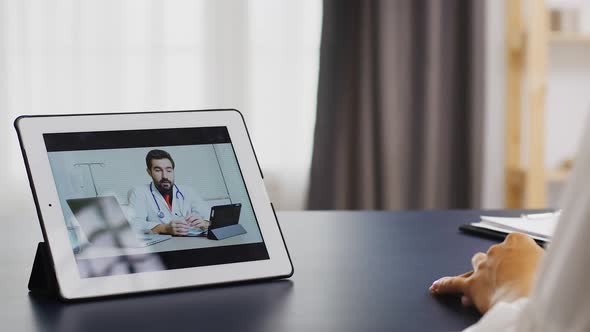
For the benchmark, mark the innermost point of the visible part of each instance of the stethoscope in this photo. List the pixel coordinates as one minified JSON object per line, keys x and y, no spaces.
{"x":160,"y":213}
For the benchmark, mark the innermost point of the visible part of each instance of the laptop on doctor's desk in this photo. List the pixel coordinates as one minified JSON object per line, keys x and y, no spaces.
{"x":103,"y":222}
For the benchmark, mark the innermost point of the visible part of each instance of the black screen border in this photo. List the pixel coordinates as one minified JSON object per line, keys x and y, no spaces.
{"x":178,"y":259}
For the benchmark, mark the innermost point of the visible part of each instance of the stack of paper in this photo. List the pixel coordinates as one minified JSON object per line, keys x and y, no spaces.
{"x":538,"y":226}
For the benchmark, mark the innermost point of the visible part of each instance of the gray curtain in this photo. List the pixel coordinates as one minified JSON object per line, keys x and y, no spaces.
{"x":400,"y":104}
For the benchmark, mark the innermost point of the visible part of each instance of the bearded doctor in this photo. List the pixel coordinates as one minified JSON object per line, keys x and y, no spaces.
{"x":164,"y":207}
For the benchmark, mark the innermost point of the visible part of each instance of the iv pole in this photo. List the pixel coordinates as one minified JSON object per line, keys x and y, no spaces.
{"x":91,"y":174}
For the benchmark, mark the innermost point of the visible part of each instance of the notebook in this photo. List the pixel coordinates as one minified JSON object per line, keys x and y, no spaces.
{"x":539,"y":226}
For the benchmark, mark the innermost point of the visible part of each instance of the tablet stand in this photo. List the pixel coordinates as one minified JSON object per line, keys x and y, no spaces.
{"x":225,"y":232}
{"x":42,"y":280}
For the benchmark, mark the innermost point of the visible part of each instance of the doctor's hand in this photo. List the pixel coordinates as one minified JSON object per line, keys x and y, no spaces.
{"x":505,"y":273}
{"x":197,"y":222}
{"x":177,"y":227}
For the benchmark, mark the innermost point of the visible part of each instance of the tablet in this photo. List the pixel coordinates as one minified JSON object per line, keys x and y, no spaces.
{"x":117,"y":194}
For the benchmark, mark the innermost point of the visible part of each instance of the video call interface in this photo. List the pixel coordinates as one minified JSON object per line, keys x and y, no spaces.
{"x":150,"y":200}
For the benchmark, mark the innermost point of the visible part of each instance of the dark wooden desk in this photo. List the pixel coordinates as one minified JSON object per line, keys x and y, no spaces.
{"x":354,"y":271}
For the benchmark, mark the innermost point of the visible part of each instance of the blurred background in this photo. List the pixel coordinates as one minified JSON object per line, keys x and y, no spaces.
{"x":351,"y":104}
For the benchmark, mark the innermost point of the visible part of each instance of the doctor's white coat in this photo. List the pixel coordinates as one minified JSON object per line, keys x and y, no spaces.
{"x":145,"y":205}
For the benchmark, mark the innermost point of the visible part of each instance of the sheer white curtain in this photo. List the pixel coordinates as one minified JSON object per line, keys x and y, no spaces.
{"x":259,"y":56}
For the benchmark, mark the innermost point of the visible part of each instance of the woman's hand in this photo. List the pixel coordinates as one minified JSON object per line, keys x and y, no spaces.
{"x":505,"y":273}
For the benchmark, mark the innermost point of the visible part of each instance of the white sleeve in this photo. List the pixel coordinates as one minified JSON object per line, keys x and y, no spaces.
{"x":560,"y":300}
{"x":138,"y":215}
{"x":501,"y":317}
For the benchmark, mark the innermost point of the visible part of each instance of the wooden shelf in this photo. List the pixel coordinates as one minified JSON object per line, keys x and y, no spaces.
{"x":518,"y":177}
{"x":557,"y":175}
{"x":527,"y":47}
{"x":576,"y":38}
{"x":526,"y":51}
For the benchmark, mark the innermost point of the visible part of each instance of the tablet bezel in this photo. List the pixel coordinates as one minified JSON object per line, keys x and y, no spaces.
{"x":30,"y":130}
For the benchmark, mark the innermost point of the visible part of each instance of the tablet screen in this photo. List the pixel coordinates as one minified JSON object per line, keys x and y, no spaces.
{"x":142,"y":200}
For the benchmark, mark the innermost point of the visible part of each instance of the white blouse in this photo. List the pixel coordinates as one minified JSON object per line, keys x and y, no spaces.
{"x":560,"y":300}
